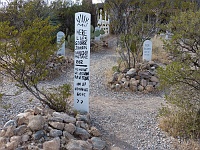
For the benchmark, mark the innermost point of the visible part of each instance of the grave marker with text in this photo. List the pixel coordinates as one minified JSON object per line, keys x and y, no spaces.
{"x":60,"y":37}
{"x":147,"y":50}
{"x":82,"y":61}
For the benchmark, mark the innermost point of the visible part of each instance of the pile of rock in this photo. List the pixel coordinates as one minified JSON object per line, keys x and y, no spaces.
{"x":141,"y":78}
{"x":58,"y":64}
{"x":46,"y":129}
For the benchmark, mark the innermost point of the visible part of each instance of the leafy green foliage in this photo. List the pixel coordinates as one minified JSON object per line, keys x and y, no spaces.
{"x":181,"y":77}
{"x":24,"y":55}
{"x":59,"y":97}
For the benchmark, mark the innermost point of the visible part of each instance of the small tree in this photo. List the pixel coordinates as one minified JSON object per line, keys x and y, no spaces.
{"x":24,"y":56}
{"x":182,"y":76}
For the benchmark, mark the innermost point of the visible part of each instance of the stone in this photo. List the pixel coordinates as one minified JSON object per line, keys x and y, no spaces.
{"x":22,"y":118}
{"x":38,"y":135}
{"x":67,"y":135}
{"x":144,"y":74}
{"x":78,"y":145}
{"x":10,"y":123}
{"x":133,"y":88}
{"x":52,"y":145}
{"x":131,"y":72}
{"x":143,"y":82}
{"x":133,"y":82}
{"x":85,"y":118}
{"x":36,"y":123}
{"x":115,"y":148}
{"x":2,"y":133}
{"x":55,"y":119}
{"x":117,"y":87}
{"x":137,"y":77}
{"x":95,"y":132}
{"x":3,"y":141}
{"x":17,"y":139}
{"x":149,"y":88}
{"x":82,"y":133}
{"x":70,"y":128}
{"x":120,"y":77}
{"x":126,"y":84}
{"x":25,"y":138}
{"x":11,"y":145}
{"x":10,"y":131}
{"x":97,"y":143}
{"x":154,"y":79}
{"x":140,"y":88}
{"x":57,"y":125}
{"x":55,"y":133}
{"x":123,"y":80}
{"x":38,"y":111}
{"x":66,"y":118}
{"x":20,"y":130}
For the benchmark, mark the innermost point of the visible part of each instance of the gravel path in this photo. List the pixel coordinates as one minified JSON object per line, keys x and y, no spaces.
{"x":126,"y":120}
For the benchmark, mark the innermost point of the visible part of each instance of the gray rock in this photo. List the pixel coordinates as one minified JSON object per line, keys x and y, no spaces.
{"x":3,"y":141}
{"x":66,"y":118}
{"x":2,"y":133}
{"x":67,"y":135}
{"x":95,"y":132}
{"x":85,"y":118}
{"x":55,"y":133}
{"x":36,"y":123}
{"x":20,"y":130}
{"x":154,"y":79}
{"x":25,"y":138}
{"x":57,"y":125}
{"x":82,"y":133}
{"x":133,"y":88}
{"x":10,"y":131}
{"x":52,"y":145}
{"x":22,"y":118}
{"x":144,"y":74}
{"x":11,"y":145}
{"x":10,"y":123}
{"x":17,"y":139}
{"x":70,"y":128}
{"x":131,"y":72}
{"x":140,"y":88}
{"x":38,"y":135}
{"x":143,"y":82}
{"x":149,"y":88}
{"x":55,"y":119}
{"x":97,"y":143}
{"x":78,"y":145}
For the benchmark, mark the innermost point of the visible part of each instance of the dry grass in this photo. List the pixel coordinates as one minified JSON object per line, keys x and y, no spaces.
{"x":158,"y":52}
{"x":186,"y":145}
{"x":176,"y":125}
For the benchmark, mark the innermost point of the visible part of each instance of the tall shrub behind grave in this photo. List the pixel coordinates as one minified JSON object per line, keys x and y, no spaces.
{"x":24,"y":55}
{"x":182,"y":76}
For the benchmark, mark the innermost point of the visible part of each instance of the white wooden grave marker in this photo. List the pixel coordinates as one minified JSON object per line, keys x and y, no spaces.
{"x":147,"y":50}
{"x":82,"y":61}
{"x":60,"y":37}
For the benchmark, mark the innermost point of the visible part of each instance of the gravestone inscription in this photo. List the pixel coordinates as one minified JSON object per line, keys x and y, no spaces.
{"x":61,"y":39}
{"x":82,"y":61}
{"x":147,"y":50}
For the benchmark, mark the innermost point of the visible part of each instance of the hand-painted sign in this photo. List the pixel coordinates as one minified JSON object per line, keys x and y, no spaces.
{"x":82,"y":61}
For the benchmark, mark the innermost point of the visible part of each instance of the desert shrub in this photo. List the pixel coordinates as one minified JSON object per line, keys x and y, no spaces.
{"x":181,"y":78}
{"x":24,"y":54}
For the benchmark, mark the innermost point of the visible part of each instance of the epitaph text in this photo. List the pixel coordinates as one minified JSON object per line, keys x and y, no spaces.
{"x":147,"y":50}
{"x":82,"y":61}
